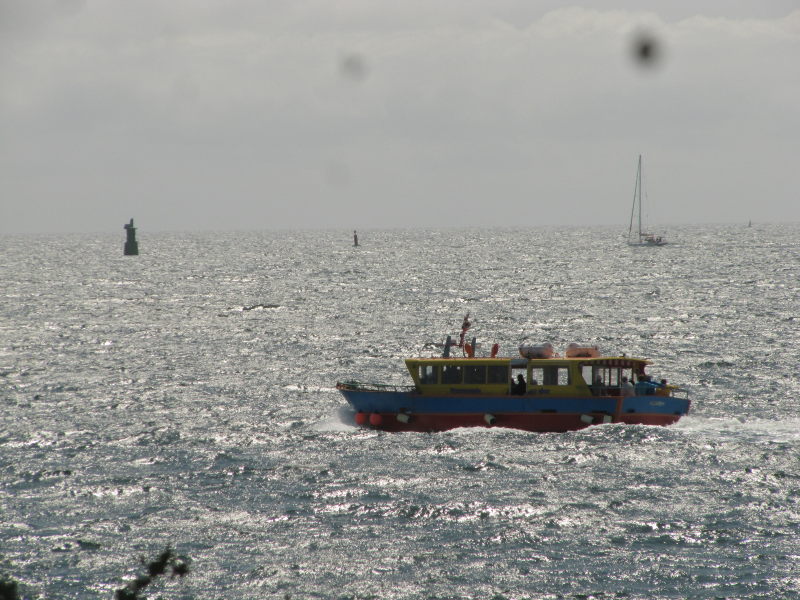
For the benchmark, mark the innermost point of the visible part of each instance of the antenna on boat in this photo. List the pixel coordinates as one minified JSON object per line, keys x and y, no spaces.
{"x":447,"y":343}
{"x":465,"y":325}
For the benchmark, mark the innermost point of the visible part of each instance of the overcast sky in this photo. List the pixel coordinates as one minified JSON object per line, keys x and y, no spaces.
{"x":195,"y":115}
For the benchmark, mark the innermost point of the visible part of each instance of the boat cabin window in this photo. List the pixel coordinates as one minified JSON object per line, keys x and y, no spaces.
{"x":517,"y":387}
{"x":452,"y":374}
{"x":498,"y":374}
{"x":428,"y":374}
{"x":473,"y":374}
{"x":552,"y":376}
{"x":602,"y":376}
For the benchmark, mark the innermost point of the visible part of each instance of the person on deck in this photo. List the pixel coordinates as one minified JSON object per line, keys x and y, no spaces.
{"x":519,"y":388}
{"x":644,"y":387}
{"x":627,"y":387}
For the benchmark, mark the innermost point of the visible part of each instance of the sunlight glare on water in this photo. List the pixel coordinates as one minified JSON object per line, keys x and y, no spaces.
{"x":186,"y":397}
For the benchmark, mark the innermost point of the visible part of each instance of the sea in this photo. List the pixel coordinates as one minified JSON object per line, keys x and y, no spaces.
{"x":184,"y":400}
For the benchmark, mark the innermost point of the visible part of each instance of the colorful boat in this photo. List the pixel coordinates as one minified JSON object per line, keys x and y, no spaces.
{"x":537,"y":391}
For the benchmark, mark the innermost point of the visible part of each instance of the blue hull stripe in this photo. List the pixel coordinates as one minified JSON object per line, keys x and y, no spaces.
{"x":390,"y":402}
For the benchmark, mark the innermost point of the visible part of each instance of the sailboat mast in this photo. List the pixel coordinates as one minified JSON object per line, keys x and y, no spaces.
{"x":637,"y":189}
{"x":639,"y":181}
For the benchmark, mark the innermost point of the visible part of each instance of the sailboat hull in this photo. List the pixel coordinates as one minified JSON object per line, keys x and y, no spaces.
{"x":648,"y":243}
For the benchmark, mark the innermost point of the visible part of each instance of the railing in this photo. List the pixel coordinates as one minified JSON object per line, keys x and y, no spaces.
{"x":374,"y":387}
{"x":613,"y":390}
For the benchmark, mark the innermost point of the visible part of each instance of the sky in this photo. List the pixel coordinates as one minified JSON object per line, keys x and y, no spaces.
{"x":218,"y":115}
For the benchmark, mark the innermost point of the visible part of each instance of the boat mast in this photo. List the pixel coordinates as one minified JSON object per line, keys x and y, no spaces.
{"x":637,"y":190}
{"x":639,"y":178}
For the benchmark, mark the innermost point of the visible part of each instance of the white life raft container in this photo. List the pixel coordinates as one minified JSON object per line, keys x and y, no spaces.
{"x":575,"y":351}
{"x":536,"y":350}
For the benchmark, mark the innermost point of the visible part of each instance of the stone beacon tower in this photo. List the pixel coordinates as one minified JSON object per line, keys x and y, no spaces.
{"x":131,"y":245}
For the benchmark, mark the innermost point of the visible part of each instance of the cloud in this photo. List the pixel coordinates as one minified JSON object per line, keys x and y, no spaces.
{"x":427,"y":108}
{"x":24,"y":17}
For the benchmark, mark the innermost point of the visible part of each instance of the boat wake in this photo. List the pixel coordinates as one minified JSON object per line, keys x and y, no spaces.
{"x":344,"y":420}
{"x":785,"y":430}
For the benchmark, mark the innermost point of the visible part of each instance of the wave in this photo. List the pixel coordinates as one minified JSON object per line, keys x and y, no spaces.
{"x":785,"y":430}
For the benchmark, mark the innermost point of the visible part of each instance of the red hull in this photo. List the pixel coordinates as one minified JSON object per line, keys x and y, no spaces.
{"x":540,"y":422}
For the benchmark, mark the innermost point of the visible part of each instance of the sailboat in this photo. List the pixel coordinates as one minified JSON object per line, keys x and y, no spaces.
{"x":642,"y":238}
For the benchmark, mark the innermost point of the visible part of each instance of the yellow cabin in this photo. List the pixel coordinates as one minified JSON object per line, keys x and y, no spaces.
{"x":572,"y":377}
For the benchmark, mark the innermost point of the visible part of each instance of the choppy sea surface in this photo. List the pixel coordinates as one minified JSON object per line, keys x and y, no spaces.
{"x":186,"y":398}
